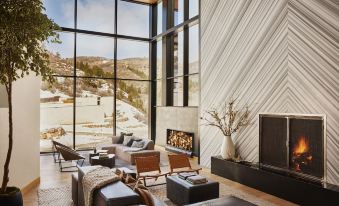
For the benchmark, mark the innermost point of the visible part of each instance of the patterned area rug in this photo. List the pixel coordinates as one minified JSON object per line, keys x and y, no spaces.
{"x":58,"y":196}
{"x":61,"y":196}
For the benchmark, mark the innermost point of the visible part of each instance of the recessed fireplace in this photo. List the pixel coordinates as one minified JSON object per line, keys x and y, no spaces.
{"x":180,"y":142}
{"x":293,"y":145}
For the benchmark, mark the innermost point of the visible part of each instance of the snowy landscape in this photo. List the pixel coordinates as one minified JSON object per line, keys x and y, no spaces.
{"x":94,"y":102}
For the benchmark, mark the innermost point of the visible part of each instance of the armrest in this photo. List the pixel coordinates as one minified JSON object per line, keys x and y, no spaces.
{"x":110,"y":148}
{"x":149,"y":145}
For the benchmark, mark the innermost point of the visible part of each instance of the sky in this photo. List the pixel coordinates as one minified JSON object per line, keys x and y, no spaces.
{"x":98,"y":15}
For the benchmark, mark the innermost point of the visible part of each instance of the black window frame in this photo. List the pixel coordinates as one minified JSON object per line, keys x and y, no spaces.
{"x":167,"y":37}
{"x":168,"y":30}
{"x":115,"y":36}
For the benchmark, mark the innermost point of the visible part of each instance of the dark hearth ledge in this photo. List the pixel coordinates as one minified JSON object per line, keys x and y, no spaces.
{"x":289,"y":188}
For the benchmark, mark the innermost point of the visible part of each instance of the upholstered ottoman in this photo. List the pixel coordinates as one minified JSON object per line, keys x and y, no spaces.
{"x":224,"y":201}
{"x":117,"y":193}
{"x":181,"y":192}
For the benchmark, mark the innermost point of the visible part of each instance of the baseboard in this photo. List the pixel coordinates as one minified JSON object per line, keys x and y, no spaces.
{"x":30,"y":186}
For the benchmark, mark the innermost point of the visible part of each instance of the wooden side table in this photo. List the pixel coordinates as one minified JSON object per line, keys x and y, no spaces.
{"x":107,"y":162}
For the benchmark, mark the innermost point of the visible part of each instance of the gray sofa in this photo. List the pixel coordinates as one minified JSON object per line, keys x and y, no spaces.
{"x":130,"y":153}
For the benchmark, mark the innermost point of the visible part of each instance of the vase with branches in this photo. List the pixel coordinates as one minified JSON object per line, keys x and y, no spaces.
{"x":23,"y":29}
{"x":228,"y":120}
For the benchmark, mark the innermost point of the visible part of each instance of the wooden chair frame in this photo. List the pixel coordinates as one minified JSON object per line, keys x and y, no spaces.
{"x":180,"y":161}
{"x":146,"y":165}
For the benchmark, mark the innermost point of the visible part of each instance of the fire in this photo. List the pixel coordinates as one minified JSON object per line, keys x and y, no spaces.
{"x":301,"y":154}
{"x":302,"y":146}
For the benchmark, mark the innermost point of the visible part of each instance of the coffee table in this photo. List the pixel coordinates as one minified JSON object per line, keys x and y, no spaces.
{"x":182,"y":192}
{"x":107,"y":162}
{"x":92,"y":154}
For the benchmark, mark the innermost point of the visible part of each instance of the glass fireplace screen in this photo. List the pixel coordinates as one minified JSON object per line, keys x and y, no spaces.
{"x":292,"y":143}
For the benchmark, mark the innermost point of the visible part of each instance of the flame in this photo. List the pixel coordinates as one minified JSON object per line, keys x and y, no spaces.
{"x":302,"y":146}
{"x":301,"y":154}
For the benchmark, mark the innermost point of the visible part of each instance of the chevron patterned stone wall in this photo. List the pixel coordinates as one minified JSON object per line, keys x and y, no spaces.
{"x":279,"y":56}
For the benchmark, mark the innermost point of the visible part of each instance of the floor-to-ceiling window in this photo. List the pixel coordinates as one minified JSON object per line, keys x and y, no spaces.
{"x":177,"y":55}
{"x":102,"y":72}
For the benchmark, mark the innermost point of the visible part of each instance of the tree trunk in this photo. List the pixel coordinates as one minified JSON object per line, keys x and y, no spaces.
{"x":5,"y":178}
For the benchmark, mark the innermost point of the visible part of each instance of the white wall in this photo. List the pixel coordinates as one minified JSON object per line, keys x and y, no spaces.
{"x":25,"y":162}
{"x":279,"y":56}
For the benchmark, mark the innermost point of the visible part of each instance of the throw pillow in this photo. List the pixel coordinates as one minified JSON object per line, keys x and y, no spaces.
{"x":138,"y":144}
{"x":122,"y":135}
{"x":127,"y":139}
{"x":130,"y":142}
{"x":134,"y":139}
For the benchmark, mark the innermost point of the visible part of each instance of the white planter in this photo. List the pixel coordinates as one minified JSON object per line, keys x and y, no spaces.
{"x":227,"y":148}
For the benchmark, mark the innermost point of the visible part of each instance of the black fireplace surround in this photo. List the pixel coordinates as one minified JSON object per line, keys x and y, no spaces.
{"x":293,"y":144}
{"x":292,"y":161}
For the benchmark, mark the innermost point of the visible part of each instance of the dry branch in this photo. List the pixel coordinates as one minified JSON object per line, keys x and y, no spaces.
{"x":229,"y":120}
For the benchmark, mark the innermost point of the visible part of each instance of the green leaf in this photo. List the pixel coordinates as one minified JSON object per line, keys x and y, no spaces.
{"x":23,"y":28}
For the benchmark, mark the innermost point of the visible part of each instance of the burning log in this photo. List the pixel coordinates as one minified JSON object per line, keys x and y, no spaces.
{"x":301,"y":160}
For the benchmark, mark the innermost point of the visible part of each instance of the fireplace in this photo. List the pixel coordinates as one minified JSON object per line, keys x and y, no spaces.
{"x":180,"y":142}
{"x":293,"y":145}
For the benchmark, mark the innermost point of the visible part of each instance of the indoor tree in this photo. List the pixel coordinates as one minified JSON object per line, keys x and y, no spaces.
{"x":23,"y":29}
